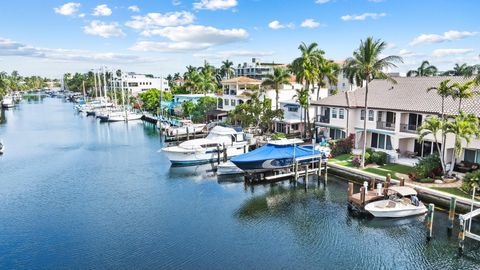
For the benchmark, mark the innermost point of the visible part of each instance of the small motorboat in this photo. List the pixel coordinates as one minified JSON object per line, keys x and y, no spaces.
{"x":185,"y":127}
{"x":402,"y":202}
{"x":8,"y":102}
{"x":228,"y":168}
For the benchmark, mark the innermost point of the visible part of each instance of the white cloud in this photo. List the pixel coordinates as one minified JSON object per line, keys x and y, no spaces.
{"x":102,"y":10}
{"x":68,"y":9}
{"x":447,"y":36}
{"x":9,"y":47}
{"x":321,"y":1}
{"x":363,"y":16}
{"x":81,"y":15}
{"x":391,"y":46}
{"x":451,"y":52}
{"x":310,"y":23}
{"x":155,"y":20}
{"x":189,"y":38}
{"x":105,"y":30}
{"x":134,"y":8}
{"x":277,"y":25}
{"x":215,"y":4}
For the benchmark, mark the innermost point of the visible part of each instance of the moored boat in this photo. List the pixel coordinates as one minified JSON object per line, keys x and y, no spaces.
{"x":403,"y":202}
{"x":228,"y":168}
{"x":8,"y":102}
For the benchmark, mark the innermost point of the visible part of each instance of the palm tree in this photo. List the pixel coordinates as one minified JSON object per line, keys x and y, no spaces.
{"x":460,"y":70}
{"x":206,"y":83}
{"x":443,"y":90}
{"x":328,"y":70}
{"x":424,"y":70}
{"x":464,"y":127}
{"x":227,"y":69}
{"x":433,"y":125}
{"x":192,"y":81}
{"x":367,"y":64}
{"x":304,"y":67}
{"x":279,"y":77}
{"x":462,"y":91}
{"x":302,"y":97}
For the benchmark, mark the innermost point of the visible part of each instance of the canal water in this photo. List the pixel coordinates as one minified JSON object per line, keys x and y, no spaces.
{"x":76,"y":193}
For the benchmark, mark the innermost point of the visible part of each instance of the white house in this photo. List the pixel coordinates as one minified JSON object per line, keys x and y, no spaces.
{"x":255,"y":69}
{"x":136,"y":83}
{"x":293,"y":117}
{"x":395,"y":112}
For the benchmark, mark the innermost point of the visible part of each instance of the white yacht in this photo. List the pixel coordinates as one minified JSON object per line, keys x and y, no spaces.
{"x":8,"y":102}
{"x":401,"y":203}
{"x":186,"y":126}
{"x":205,"y":150}
{"x":119,"y":116}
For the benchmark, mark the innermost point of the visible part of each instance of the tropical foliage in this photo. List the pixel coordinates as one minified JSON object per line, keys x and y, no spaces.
{"x":276,"y":80}
{"x":150,"y":99}
{"x":424,"y":70}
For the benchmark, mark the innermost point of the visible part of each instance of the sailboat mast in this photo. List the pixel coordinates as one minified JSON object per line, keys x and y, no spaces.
{"x":104,"y":83}
{"x":96,"y":87}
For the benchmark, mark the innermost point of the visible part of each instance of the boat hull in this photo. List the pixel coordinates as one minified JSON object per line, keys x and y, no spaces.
{"x":394,"y":212}
{"x":199,"y":156}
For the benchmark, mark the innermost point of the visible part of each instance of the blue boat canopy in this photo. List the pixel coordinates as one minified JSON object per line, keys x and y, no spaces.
{"x":271,"y":151}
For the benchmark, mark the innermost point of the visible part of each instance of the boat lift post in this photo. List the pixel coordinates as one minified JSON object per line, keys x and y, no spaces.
{"x":464,"y":231}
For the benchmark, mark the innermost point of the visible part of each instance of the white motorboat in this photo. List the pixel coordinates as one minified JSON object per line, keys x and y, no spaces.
{"x":186,"y":126}
{"x":228,"y":168}
{"x":401,"y":203}
{"x":118,"y":116}
{"x":8,"y":102}
{"x":206,"y":150}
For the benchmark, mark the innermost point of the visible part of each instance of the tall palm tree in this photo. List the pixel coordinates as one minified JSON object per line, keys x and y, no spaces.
{"x":368,"y":64}
{"x":304,"y":67}
{"x":424,"y":70}
{"x":463,"y":91}
{"x":433,"y":125}
{"x":206,"y":83}
{"x":227,"y":69}
{"x":302,"y":97}
{"x":279,"y":77}
{"x":460,"y":70}
{"x":443,"y":90}
{"x":464,"y":127}
{"x":327,"y":73}
{"x":192,"y":80}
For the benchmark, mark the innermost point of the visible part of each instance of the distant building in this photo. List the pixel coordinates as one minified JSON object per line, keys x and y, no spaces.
{"x":136,"y":83}
{"x":293,"y":117}
{"x":255,"y":69}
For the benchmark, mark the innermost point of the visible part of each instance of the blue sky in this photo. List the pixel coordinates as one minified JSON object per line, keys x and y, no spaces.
{"x":50,"y":37}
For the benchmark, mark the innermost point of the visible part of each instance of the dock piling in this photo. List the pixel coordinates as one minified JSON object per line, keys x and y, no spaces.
{"x":296,"y":171}
{"x":461,"y":236}
{"x":402,"y":181}
{"x":429,"y":221}
{"x":225,"y":155}
{"x":350,"y":190}
{"x":372,"y":183}
{"x":218,"y":154}
{"x":387,"y":184}
{"x":362,"y":195}
{"x":451,"y":213}
{"x":319,"y":172}
{"x":306,"y":175}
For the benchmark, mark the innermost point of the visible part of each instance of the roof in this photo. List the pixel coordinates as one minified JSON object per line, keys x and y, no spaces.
{"x":242,"y":79}
{"x":409,"y":94}
{"x":404,"y":191}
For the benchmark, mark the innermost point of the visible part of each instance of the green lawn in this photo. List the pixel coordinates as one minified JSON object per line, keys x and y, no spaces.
{"x":398,"y":168}
{"x":344,"y":157}
{"x":381,"y":172}
{"x":454,"y":191}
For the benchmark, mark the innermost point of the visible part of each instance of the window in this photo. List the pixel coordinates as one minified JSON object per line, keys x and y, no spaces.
{"x":293,"y":109}
{"x":336,"y":133}
{"x":381,"y":141}
{"x":226,"y":102}
{"x":294,"y":127}
{"x":341,"y":113}
{"x":334,"y":112}
{"x":233,"y":102}
{"x":472,"y":155}
{"x":362,"y":115}
{"x":370,"y":115}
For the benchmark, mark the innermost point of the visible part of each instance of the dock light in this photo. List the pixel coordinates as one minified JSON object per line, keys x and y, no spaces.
{"x":379,"y":189}
{"x":365,"y":184}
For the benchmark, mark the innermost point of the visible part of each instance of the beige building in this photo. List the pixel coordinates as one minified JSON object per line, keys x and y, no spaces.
{"x":395,"y":112}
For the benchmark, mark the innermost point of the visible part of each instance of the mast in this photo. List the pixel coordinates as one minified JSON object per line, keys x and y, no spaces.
{"x":123,"y":96}
{"x":104,"y":83}
{"x":95,"y":82}
{"x":84,"y":96}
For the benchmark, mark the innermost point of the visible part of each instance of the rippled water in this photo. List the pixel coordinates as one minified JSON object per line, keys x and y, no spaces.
{"x":75,"y":193}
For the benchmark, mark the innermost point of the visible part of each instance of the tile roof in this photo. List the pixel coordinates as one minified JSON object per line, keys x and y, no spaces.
{"x":409,"y":94}
{"x":242,"y":79}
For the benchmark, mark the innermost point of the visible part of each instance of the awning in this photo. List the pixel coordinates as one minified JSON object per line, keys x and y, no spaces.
{"x":386,"y":132}
{"x":328,"y":125}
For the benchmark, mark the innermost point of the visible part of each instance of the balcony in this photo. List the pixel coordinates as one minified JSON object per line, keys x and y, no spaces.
{"x":408,"y":128}
{"x":386,"y":125}
{"x":323,"y":119}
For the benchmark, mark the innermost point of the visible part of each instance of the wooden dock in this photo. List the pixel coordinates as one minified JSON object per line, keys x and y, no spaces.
{"x":368,"y":194}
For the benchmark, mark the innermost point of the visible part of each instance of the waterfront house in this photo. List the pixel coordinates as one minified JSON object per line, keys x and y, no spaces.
{"x":135,"y":83}
{"x":293,"y":117}
{"x":395,"y":112}
{"x":256,"y":69}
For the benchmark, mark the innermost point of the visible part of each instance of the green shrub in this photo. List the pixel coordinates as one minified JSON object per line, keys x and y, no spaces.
{"x":342,"y":146}
{"x":368,"y":158}
{"x":380,"y":158}
{"x":426,"y":180}
{"x":278,"y":136}
{"x":470,"y":180}
{"x":429,"y":166}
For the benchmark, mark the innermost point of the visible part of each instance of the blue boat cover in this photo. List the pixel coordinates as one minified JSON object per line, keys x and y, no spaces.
{"x":271,"y":151}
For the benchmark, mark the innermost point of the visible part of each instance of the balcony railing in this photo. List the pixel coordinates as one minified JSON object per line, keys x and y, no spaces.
{"x":408,"y":128}
{"x":385,"y":125}
{"x":323,"y":119}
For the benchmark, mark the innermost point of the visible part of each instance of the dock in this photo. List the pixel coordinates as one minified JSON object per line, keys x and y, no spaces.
{"x":368,"y":193}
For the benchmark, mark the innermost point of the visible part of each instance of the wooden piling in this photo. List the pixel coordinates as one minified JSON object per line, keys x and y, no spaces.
{"x":296,"y":171}
{"x":218,"y":154}
{"x":188,"y":134}
{"x":387,"y":184}
{"x":306,"y":175}
{"x":362,"y":195}
{"x":461,"y":236}
{"x":451,"y":213}
{"x":176,"y":135}
{"x":319,"y":172}
{"x":225,"y":156}
{"x":429,"y":221}
{"x":402,"y":181}
{"x":372,"y":183}
{"x":350,"y":190}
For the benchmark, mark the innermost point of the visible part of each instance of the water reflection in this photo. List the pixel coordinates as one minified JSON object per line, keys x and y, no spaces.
{"x":3,"y":118}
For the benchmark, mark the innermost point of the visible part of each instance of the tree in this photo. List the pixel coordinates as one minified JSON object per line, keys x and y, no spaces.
{"x":463,"y":91}
{"x":424,"y":70}
{"x":279,"y":77}
{"x":302,"y":96}
{"x":192,"y":81}
{"x":460,"y":70}
{"x":227,"y":70}
{"x":327,"y":70}
{"x":433,"y":125}
{"x":187,"y":108}
{"x":443,"y":90}
{"x":151,"y":99}
{"x":368,"y":64}
{"x":464,"y":127}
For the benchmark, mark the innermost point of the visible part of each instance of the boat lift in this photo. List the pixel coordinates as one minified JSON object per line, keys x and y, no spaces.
{"x":467,"y":219}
